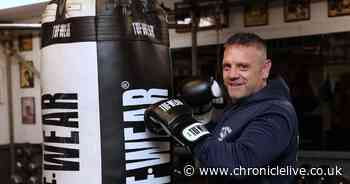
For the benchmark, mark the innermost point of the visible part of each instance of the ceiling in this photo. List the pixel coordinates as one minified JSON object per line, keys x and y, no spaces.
{"x":28,"y":13}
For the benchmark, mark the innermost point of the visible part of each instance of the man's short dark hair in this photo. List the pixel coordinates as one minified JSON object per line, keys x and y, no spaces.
{"x":246,"y":39}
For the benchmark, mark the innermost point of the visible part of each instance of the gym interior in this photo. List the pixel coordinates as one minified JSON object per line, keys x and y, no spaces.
{"x":307,"y":41}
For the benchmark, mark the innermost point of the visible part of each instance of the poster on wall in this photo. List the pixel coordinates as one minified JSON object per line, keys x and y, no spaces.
{"x":28,"y":110}
{"x":338,"y":8}
{"x":25,"y":43}
{"x":296,"y":10}
{"x":26,"y":75}
{"x":256,"y":14}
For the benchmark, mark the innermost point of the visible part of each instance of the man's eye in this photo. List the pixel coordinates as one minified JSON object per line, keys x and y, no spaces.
{"x":244,"y":67}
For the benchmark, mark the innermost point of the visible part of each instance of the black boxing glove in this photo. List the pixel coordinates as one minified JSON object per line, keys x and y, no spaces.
{"x":199,"y":94}
{"x":175,"y":118}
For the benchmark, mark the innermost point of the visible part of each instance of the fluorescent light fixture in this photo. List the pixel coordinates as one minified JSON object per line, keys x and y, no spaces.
{"x":15,"y":3}
{"x":203,"y":21}
{"x":20,"y":26}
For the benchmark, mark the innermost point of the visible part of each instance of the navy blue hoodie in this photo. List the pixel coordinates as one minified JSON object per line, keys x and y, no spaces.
{"x":259,"y":131}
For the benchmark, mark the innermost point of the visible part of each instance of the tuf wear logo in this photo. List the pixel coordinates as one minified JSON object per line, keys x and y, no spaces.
{"x":224,"y":132}
{"x":142,"y":29}
{"x":61,"y":31}
{"x":61,"y":153}
{"x":166,"y":106}
{"x":144,"y":155}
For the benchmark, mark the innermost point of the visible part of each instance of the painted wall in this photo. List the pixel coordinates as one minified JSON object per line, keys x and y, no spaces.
{"x":22,"y":132}
{"x":4,"y":125}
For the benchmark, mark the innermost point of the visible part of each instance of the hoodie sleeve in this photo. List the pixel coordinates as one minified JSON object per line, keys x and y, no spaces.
{"x":262,"y":141}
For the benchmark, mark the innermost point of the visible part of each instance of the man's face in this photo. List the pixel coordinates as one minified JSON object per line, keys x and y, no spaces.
{"x":245,"y":70}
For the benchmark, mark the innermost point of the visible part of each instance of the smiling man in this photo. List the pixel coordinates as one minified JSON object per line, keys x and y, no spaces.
{"x":257,"y":131}
{"x":259,"y":128}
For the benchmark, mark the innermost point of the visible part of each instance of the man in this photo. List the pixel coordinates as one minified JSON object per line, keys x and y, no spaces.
{"x":259,"y":129}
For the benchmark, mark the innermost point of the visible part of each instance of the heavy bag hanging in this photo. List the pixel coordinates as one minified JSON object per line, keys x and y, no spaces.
{"x":103,"y":63}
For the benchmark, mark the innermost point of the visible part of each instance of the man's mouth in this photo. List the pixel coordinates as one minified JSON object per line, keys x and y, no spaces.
{"x":235,"y":84}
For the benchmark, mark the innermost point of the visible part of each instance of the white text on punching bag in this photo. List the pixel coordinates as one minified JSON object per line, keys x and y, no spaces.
{"x":141,"y":152}
{"x":166,"y":106}
{"x":61,"y":31}
{"x":142,"y":29}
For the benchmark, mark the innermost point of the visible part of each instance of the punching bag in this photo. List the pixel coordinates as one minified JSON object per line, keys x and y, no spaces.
{"x":103,"y":62}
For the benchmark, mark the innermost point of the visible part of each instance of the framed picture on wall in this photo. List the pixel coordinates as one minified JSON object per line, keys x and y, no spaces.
{"x":296,"y":10}
{"x":256,"y":14}
{"x":338,"y":8}
{"x":25,"y":43}
{"x":26,"y":74}
{"x":28,"y":110}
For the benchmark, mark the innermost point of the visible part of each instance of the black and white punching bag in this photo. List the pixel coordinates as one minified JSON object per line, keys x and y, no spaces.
{"x":103,"y":62}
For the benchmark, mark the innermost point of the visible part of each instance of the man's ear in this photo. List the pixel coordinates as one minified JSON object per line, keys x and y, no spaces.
{"x":266,"y":68}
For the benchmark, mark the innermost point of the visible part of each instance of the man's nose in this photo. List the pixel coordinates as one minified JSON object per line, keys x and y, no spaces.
{"x":233,"y":73}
